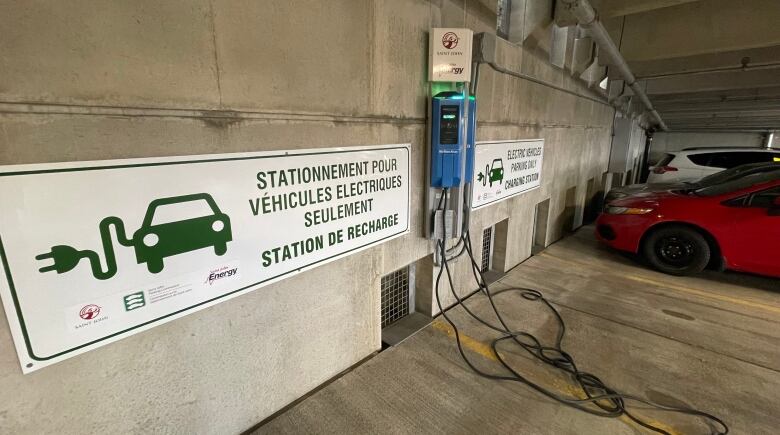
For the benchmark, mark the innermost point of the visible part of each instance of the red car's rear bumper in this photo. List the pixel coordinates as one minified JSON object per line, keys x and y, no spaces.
{"x":623,"y":232}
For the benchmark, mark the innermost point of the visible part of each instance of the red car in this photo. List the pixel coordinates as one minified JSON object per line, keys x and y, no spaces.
{"x":734,"y":225}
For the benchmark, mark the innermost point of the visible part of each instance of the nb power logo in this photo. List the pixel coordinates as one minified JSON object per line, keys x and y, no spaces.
{"x":134,"y":301}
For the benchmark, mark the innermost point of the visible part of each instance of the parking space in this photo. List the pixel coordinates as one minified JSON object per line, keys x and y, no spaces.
{"x":707,"y":342}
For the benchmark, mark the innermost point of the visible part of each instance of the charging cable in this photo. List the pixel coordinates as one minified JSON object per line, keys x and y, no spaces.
{"x":599,"y":399}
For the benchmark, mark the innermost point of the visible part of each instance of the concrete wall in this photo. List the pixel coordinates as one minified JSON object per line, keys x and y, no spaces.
{"x":86,"y":80}
{"x":670,"y":142}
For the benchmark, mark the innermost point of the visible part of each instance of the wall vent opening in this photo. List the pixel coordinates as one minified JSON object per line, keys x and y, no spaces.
{"x":487,"y":249}
{"x":397,"y":295}
{"x":541,"y":216}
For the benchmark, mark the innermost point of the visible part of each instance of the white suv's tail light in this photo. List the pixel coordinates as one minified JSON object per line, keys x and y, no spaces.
{"x":664,"y":169}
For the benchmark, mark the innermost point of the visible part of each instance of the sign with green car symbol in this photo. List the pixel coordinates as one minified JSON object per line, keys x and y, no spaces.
{"x":95,"y":251}
{"x":505,"y":168}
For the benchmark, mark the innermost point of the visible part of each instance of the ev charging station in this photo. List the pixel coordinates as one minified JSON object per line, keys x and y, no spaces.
{"x":451,"y":132}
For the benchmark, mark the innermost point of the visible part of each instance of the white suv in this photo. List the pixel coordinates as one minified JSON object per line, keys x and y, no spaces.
{"x":694,"y":163}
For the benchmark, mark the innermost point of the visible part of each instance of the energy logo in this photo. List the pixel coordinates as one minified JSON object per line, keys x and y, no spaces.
{"x":223,"y":272}
{"x":449,"y":40}
{"x":152,"y":242}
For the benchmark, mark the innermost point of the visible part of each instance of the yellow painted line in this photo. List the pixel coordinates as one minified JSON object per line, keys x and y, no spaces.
{"x":717,"y":296}
{"x":702,"y":293}
{"x":651,"y":422}
{"x":562,"y":387}
{"x":565,"y":260}
{"x":469,"y":343}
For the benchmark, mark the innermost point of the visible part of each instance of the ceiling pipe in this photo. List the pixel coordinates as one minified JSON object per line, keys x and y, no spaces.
{"x":588,"y":20}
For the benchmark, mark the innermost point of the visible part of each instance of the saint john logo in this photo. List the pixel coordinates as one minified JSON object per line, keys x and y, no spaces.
{"x":449,"y":40}
{"x":89,"y":312}
{"x":134,"y":301}
{"x":152,"y":242}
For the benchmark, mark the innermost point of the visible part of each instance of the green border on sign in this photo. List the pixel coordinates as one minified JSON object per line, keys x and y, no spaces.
{"x":18,"y":308}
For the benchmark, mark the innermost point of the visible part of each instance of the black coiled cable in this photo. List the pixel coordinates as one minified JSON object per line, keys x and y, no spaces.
{"x":599,"y":399}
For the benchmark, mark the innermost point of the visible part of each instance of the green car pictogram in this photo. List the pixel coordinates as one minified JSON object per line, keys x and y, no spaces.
{"x":493,"y":173}
{"x":152,"y":242}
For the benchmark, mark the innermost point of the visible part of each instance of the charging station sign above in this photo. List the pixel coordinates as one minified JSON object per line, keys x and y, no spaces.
{"x":449,"y":58}
{"x":95,"y":251}
{"x":503,"y":169}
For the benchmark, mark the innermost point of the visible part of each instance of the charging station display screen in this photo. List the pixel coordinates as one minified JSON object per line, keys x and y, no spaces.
{"x":448,"y":124}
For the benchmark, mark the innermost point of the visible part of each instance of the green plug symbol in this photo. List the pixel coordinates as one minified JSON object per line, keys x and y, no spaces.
{"x":152,"y":242}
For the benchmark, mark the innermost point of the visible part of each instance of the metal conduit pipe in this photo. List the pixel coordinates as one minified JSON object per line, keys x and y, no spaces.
{"x":533,"y":79}
{"x":588,"y":20}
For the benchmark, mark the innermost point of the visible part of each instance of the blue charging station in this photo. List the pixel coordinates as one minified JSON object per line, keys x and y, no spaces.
{"x":471,"y":132}
{"x":447,"y":141}
{"x":450,"y":127}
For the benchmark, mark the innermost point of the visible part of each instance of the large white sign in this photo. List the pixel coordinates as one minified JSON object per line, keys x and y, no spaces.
{"x":96,"y":251}
{"x":505,"y":168}
{"x":449,"y":58}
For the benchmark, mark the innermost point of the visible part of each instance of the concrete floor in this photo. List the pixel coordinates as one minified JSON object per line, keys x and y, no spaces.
{"x":711,"y":342}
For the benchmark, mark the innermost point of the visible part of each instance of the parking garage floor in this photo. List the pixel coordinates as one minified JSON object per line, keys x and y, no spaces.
{"x":710,"y":342}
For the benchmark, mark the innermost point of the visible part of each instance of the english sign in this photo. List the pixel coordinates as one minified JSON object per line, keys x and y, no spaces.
{"x":503,"y":169}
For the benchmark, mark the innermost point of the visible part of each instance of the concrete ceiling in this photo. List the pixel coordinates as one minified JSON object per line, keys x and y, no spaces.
{"x":705,"y":64}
